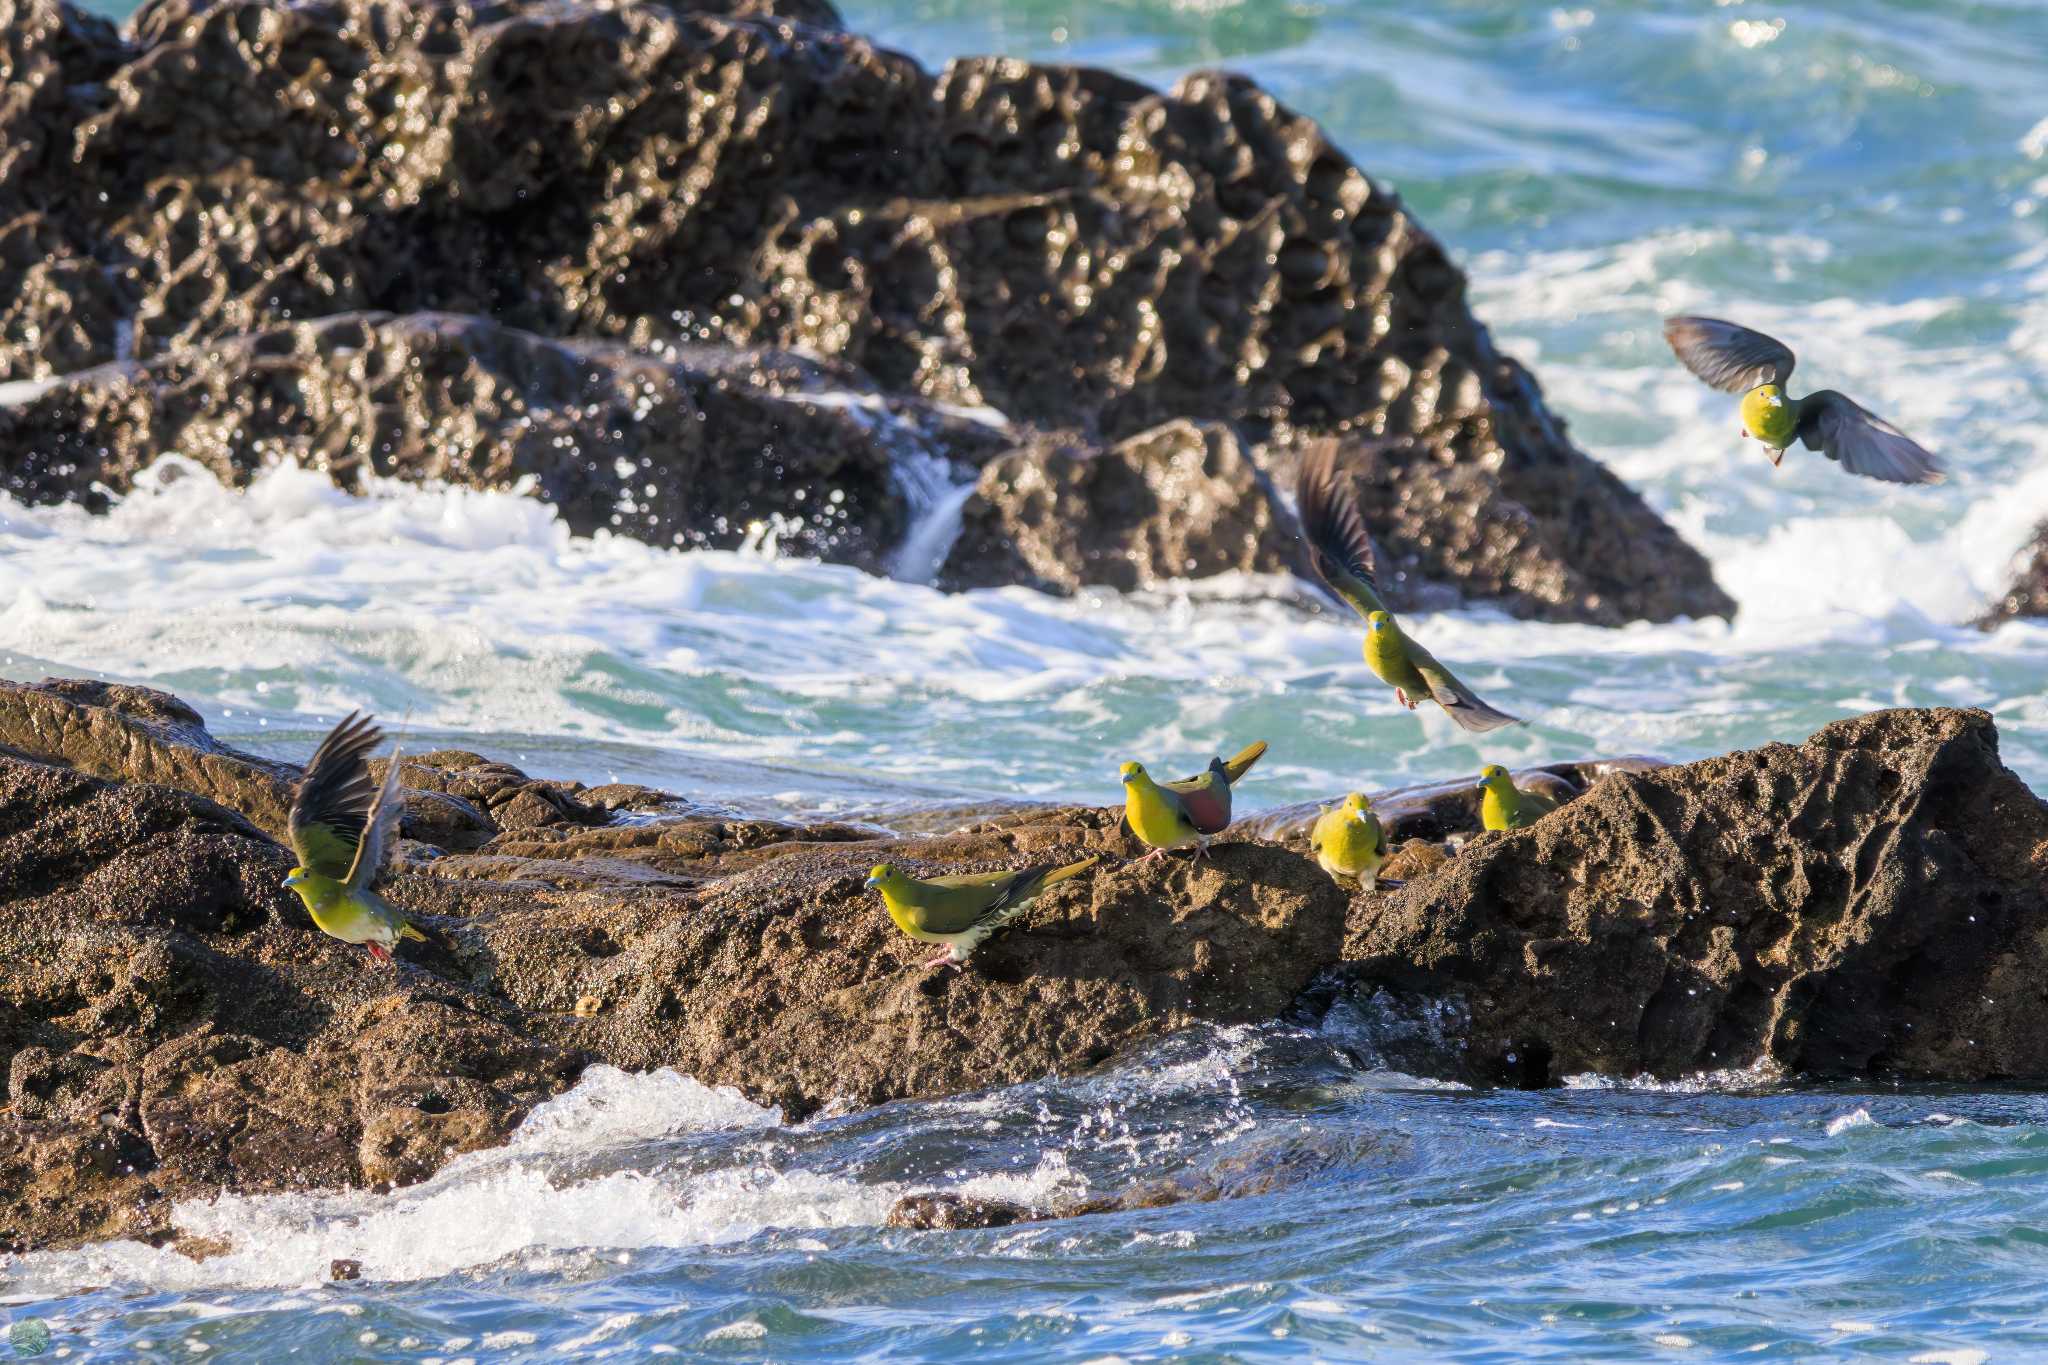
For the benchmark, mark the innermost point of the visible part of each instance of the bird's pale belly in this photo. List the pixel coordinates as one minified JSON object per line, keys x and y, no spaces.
{"x":1770,"y":417}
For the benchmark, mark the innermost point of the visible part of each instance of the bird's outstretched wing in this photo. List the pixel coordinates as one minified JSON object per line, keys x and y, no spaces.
{"x":1335,"y":529}
{"x":378,"y":830}
{"x":1205,"y":799}
{"x":1862,"y":442}
{"x":1460,"y":702}
{"x":1730,"y":358}
{"x":332,"y":808}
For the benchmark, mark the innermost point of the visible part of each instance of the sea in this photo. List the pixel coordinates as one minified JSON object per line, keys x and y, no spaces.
{"x":1867,"y":179}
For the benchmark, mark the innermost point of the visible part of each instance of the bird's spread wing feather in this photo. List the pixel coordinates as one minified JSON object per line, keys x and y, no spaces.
{"x":378,"y":830}
{"x":332,"y":807}
{"x":1205,"y":799}
{"x":1335,"y":529}
{"x":1730,"y":358}
{"x":1863,"y":442}
{"x":1460,"y":702}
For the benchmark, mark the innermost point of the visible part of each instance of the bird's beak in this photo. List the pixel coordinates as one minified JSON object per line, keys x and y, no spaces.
{"x":1130,"y":778}
{"x":292,"y":880}
{"x":873,"y":882}
{"x":1358,"y":817}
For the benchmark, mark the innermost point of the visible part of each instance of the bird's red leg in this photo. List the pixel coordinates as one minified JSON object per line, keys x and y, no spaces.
{"x":944,"y":959}
{"x":1401,"y":694}
{"x":1155,"y":853}
{"x":379,"y":954}
{"x":1745,"y":433}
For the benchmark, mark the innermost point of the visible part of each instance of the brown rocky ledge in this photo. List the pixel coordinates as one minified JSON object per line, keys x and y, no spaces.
{"x":492,"y":240}
{"x":1872,"y":901}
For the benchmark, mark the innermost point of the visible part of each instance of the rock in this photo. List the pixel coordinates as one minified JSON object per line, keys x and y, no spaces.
{"x":2028,"y":595}
{"x":344,"y":1268}
{"x":248,"y":196}
{"x":172,"y":1025}
{"x":619,"y":441}
{"x":1179,"y":501}
{"x":1868,"y":903}
{"x":955,"y":1212}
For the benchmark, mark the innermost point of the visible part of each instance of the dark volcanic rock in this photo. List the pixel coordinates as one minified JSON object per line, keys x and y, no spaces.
{"x":2028,"y":595}
{"x":1069,"y":247}
{"x":1871,"y":902}
{"x":1180,"y":501}
{"x":665,"y":451}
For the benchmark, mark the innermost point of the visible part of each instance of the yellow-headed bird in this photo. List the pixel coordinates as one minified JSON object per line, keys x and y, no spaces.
{"x":342,"y":828}
{"x":1349,"y":841}
{"x":961,"y":911}
{"x":1735,"y":359}
{"x":1183,"y":814}
{"x":1342,"y":548}
{"x":1506,"y":806}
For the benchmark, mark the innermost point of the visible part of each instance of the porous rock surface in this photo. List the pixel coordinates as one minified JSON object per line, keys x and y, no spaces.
{"x":1071,"y":248}
{"x":1872,"y":902}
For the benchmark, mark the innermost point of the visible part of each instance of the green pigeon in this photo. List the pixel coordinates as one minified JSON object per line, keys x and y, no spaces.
{"x":1342,"y":549}
{"x":1735,"y":359}
{"x":341,"y":829}
{"x":1506,"y":806}
{"x":961,"y":911}
{"x":1183,"y":814}
{"x":1349,"y":842}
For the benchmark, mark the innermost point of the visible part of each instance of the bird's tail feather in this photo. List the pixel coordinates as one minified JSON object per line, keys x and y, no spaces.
{"x":408,"y":931}
{"x":1250,"y":754}
{"x":1475,"y":715}
{"x":1060,"y":874}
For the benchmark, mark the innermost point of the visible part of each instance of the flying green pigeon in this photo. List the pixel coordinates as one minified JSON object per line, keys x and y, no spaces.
{"x":1342,"y":547}
{"x":342,"y":828}
{"x":1736,"y":360}
{"x":961,"y":911}
{"x":1350,"y":842}
{"x":1506,"y":806}
{"x":1183,"y":814}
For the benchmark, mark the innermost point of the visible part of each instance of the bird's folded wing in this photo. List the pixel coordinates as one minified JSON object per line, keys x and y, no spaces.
{"x":1205,"y":800}
{"x":332,"y":806}
{"x":1732,"y":359}
{"x":955,"y":904}
{"x":1335,"y":529}
{"x":1863,"y":442}
{"x":1460,"y":702}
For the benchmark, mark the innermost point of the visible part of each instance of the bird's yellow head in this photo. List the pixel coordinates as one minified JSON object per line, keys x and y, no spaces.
{"x":1379,"y":620}
{"x":296,"y":877}
{"x":1357,"y":805}
{"x":1132,"y":772}
{"x":881,"y":874}
{"x":1493,"y":773}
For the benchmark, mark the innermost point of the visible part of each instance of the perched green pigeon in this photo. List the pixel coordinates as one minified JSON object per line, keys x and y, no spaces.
{"x":1737,"y":360}
{"x":1342,"y":547}
{"x":342,"y":828}
{"x":1349,"y":841}
{"x":1183,"y":814}
{"x":1506,"y":806}
{"x":961,"y":911}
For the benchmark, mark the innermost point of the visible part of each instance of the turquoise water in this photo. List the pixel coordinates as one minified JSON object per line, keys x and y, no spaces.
{"x":1868,"y":181}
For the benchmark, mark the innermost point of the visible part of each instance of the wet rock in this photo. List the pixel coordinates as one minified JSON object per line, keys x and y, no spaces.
{"x":2028,"y":595}
{"x":659,"y":450}
{"x":171,"y":1023}
{"x":1867,"y":903}
{"x":1070,"y":248}
{"x":1179,"y":501}
{"x":957,"y":1212}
